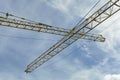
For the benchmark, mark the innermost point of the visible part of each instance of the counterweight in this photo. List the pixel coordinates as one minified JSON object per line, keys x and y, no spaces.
{"x":106,"y":11}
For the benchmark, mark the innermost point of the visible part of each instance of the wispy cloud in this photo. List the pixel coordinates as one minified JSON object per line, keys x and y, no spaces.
{"x":89,"y":60}
{"x":111,"y":32}
{"x":70,"y":8}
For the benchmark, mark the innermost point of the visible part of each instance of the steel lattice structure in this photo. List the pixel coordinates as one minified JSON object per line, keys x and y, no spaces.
{"x":106,"y":11}
{"x":40,"y":27}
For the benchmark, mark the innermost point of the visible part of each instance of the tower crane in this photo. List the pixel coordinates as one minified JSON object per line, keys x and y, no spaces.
{"x":106,"y":11}
{"x":13,"y":21}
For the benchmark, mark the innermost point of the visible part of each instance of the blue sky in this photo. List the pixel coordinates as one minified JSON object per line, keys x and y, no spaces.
{"x":84,"y":60}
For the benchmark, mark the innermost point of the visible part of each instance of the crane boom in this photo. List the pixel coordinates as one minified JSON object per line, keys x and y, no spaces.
{"x":40,"y":27}
{"x":106,"y":11}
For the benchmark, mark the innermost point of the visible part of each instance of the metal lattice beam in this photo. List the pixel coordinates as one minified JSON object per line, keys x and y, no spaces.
{"x":40,"y":27}
{"x":106,"y":11}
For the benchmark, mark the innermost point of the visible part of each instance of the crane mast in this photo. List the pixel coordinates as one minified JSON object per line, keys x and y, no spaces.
{"x":106,"y":11}
{"x":40,"y":27}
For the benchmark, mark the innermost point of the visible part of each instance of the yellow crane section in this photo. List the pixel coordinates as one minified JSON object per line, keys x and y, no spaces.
{"x":12,"y":21}
{"x":106,"y":11}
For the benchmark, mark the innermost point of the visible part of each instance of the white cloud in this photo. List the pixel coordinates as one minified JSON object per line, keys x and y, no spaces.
{"x":87,"y":74}
{"x":112,"y":77}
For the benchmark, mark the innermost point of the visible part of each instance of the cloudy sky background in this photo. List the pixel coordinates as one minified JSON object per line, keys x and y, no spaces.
{"x":83,"y":60}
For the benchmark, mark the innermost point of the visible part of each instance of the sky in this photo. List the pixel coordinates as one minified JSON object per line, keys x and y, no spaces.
{"x":83,"y":60}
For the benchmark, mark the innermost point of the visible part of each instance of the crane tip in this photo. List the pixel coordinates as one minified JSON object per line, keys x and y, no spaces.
{"x":26,"y":71}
